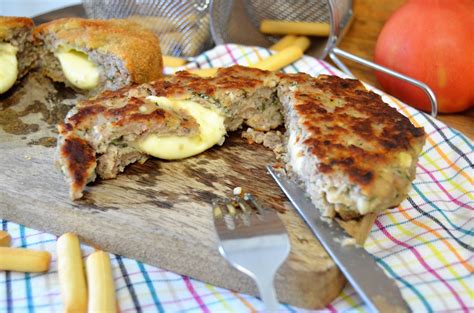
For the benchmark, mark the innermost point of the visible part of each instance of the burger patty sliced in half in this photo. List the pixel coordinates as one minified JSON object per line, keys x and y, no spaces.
{"x":100,"y":138}
{"x":170,"y":118}
{"x":95,"y":55}
{"x":17,"y":52}
{"x":353,"y":152}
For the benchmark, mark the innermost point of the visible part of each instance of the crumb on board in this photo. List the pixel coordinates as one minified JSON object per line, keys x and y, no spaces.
{"x":237,"y":191}
{"x":270,"y":139}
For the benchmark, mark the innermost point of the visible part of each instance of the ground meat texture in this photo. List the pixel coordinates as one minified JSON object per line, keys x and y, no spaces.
{"x":18,"y":32}
{"x":353,"y":153}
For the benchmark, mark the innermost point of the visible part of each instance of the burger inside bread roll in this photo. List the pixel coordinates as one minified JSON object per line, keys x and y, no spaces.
{"x":17,"y":55}
{"x":95,"y":55}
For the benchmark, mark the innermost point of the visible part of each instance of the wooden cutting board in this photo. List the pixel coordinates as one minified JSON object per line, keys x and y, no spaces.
{"x":158,"y":212}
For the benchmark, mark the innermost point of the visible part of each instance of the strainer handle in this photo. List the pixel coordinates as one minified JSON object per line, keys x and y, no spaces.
{"x":336,"y":51}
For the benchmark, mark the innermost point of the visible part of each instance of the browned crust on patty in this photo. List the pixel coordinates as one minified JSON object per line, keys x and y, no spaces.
{"x":335,"y":111}
{"x":86,"y":116}
{"x":9,"y":23}
{"x":186,"y":84}
{"x":91,"y":132}
{"x":80,"y":163}
{"x":351,"y":134}
{"x":227,"y":79}
{"x":138,"y":47}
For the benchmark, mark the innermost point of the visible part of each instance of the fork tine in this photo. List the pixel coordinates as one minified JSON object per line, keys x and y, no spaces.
{"x":232,"y":212}
{"x":217,"y":211}
{"x":230,"y":207}
{"x":243,"y":205}
{"x":222,"y":217}
{"x":244,"y":212}
{"x":249,"y":198}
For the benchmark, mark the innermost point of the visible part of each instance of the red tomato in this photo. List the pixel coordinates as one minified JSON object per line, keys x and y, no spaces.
{"x":432,"y":41}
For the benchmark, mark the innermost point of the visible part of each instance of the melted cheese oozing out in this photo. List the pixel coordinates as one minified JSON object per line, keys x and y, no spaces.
{"x":8,"y":66}
{"x":211,"y":132}
{"x":77,"y":68}
{"x":404,"y":159}
{"x":296,"y":152}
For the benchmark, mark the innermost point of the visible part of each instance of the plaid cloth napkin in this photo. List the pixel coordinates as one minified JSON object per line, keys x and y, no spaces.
{"x":426,"y":244}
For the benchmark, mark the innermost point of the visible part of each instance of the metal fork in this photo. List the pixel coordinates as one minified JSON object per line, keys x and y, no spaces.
{"x":253,"y":240}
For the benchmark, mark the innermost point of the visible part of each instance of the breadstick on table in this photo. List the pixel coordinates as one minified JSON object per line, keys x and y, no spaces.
{"x":273,"y":63}
{"x":283,"y":43}
{"x":280,"y":59}
{"x":5,"y":239}
{"x":302,"y":42}
{"x":173,"y":61}
{"x":24,"y":260}
{"x":71,"y":274}
{"x":277,"y":27}
{"x":101,"y":283}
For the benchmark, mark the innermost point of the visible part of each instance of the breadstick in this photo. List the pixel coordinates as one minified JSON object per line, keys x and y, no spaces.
{"x":283,"y":43}
{"x":273,"y":63}
{"x":277,"y":27}
{"x":5,"y":239}
{"x":280,"y":59}
{"x":24,"y":260}
{"x":173,"y":61}
{"x":71,"y":274}
{"x":302,"y":42}
{"x":101,"y":283}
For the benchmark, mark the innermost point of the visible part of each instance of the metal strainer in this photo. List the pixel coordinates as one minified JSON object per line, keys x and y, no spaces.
{"x":183,"y":26}
{"x":238,"y":21}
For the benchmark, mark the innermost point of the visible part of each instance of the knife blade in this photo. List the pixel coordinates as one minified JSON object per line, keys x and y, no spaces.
{"x":377,"y":290}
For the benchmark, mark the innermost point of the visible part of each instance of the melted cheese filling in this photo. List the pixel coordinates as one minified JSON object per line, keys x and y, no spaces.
{"x":8,"y":66}
{"x":211,"y":132}
{"x":77,"y":68}
{"x":404,"y":159}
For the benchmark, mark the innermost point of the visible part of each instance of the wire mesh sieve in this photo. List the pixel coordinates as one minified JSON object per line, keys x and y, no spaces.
{"x":182,"y":26}
{"x":238,"y":21}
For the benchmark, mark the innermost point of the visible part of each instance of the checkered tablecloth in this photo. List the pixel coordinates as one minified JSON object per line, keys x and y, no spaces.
{"x":426,"y":244}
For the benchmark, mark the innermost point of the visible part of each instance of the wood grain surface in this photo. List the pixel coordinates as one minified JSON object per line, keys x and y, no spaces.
{"x":360,"y":39}
{"x":158,"y":212}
